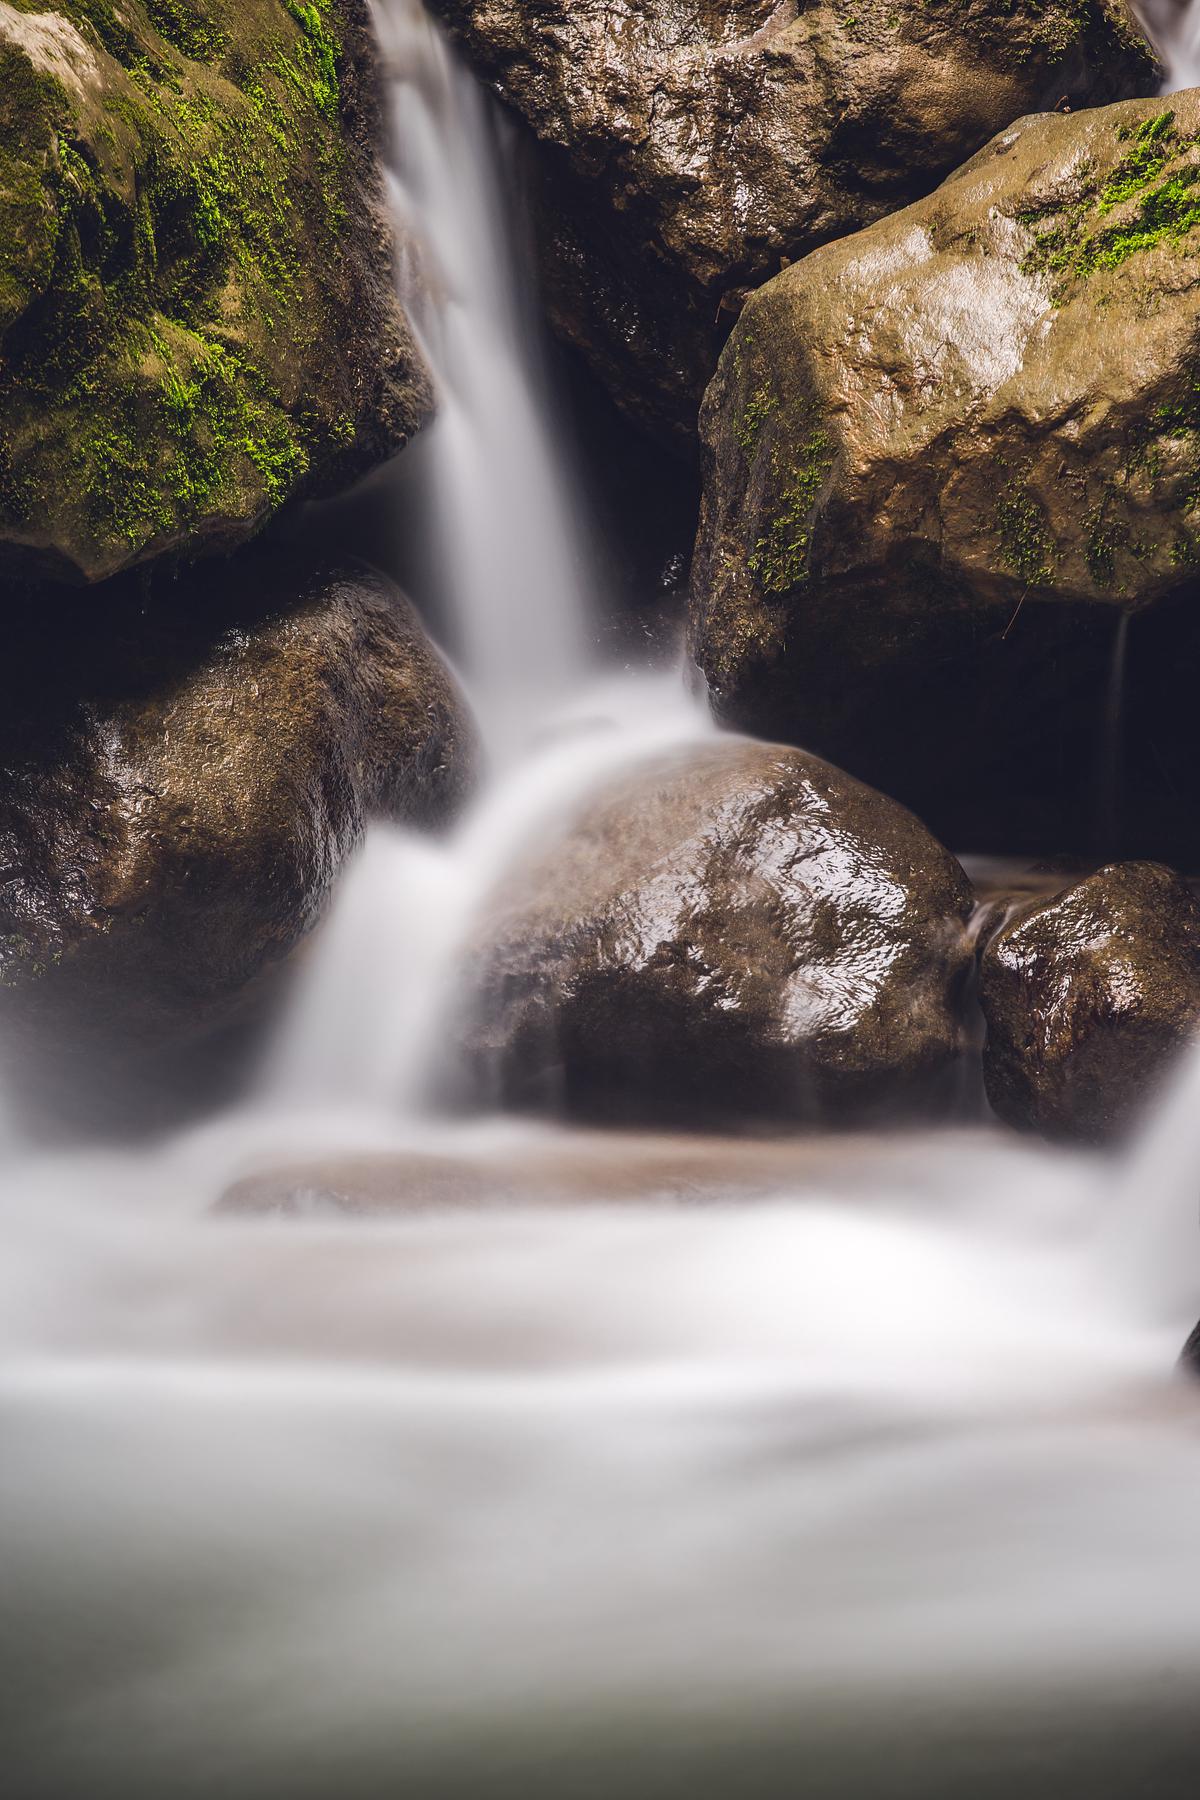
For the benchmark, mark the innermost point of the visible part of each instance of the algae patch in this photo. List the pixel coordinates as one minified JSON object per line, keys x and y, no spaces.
{"x":1151,"y":197}
{"x":757,"y":410}
{"x":176,"y":276}
{"x":1024,"y":538}
{"x":780,"y":558}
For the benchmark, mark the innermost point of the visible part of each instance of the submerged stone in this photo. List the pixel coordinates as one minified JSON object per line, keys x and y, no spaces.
{"x":197,"y":315}
{"x":1088,"y":997}
{"x":945,"y":459}
{"x":688,"y":150}
{"x":735,"y":932}
{"x":575,"y":1168}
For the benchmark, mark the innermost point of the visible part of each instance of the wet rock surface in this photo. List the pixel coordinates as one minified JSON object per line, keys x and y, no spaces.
{"x":180,"y":788}
{"x":197,"y":313}
{"x":944,"y":459}
{"x":1087,"y":999}
{"x":577,"y":1168}
{"x":688,"y":149}
{"x":738,"y":931}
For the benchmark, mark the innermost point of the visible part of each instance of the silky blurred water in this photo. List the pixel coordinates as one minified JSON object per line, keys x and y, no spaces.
{"x":507,"y":556}
{"x":871,"y":1437}
{"x":493,"y":1458}
{"x":1174,"y":27}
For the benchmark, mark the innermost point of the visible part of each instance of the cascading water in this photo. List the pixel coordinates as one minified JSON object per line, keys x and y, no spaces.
{"x":873,"y":1467}
{"x":506,"y":561}
{"x":1174,"y":26}
{"x":506,"y":566}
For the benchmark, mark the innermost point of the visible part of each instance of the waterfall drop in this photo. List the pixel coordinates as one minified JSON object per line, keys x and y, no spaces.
{"x":506,"y":555}
{"x":1174,"y":28}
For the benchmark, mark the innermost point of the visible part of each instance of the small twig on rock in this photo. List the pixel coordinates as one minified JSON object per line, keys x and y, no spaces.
{"x":1013,"y":620}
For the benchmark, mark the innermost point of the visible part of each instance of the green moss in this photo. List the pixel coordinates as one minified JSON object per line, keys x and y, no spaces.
{"x":780,"y":558}
{"x":164,"y":270}
{"x":1056,"y":27}
{"x":1047,"y":31}
{"x":1164,"y":216}
{"x":1175,"y":421}
{"x":1109,"y":543}
{"x":189,"y":29}
{"x":31,"y":104}
{"x":1153,"y":143}
{"x":1019,"y":32}
{"x":754,"y":415}
{"x":1154,"y":185}
{"x":113,"y":30}
{"x":200,"y":430}
{"x":1104,"y":535}
{"x":316,"y":70}
{"x":1025,"y":544}
{"x":1185,"y":551}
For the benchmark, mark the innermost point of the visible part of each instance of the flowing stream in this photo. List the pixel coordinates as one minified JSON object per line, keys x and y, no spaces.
{"x":609,"y":1463}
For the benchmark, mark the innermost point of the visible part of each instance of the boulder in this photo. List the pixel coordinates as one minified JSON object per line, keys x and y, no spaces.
{"x":1087,"y":997}
{"x":949,"y":462}
{"x":736,"y":931}
{"x":180,"y":788}
{"x":197,"y":313}
{"x":688,"y":150}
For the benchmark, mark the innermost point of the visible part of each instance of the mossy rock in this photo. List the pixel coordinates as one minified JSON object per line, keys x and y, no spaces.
{"x":688,"y":150}
{"x":197,"y":316}
{"x":945,"y":458}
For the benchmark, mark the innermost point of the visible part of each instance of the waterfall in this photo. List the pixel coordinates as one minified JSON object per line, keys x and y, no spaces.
{"x":870,"y":1473}
{"x":507,"y":553}
{"x":1174,"y":28}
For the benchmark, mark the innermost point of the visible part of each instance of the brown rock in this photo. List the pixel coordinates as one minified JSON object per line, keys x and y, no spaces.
{"x":578,"y":1168}
{"x":180,"y":789}
{"x":945,"y":458}
{"x":1087,"y":998}
{"x":691,"y":149}
{"x":738,"y":931}
{"x":198,"y":320}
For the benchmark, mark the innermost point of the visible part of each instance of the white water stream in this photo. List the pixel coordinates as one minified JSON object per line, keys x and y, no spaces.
{"x":1174,"y":27}
{"x":506,"y":553}
{"x":866,"y":1472}
{"x":508,"y":558}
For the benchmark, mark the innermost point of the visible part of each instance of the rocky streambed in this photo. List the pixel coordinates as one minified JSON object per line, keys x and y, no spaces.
{"x":946,"y":544}
{"x":598,"y":939}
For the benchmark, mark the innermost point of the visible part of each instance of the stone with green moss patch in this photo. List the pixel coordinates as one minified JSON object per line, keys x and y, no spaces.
{"x":757,"y":411}
{"x":694,"y":150}
{"x":1024,"y":539}
{"x":780,"y":558}
{"x":189,"y":220}
{"x":983,"y":449}
{"x":1149,"y":200}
